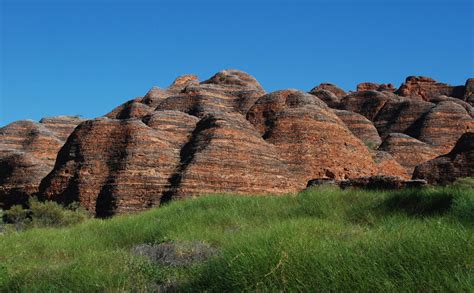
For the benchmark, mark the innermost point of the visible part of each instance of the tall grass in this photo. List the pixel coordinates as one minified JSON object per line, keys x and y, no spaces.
{"x":319,"y":240}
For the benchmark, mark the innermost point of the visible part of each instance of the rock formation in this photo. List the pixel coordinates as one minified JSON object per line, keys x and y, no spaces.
{"x":310,"y":137}
{"x":27,"y":153}
{"x":442,"y":126}
{"x":361,"y":127}
{"x":330,"y":87}
{"x":426,"y":88}
{"x":407,"y":150}
{"x":388,"y":166}
{"x":227,"y":135}
{"x":370,"y":86}
{"x":469,"y":91}
{"x":445,"y":169}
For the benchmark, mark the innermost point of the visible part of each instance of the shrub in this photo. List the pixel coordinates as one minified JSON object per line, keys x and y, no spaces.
{"x":371,"y":144}
{"x":51,"y":214}
{"x":18,"y":216}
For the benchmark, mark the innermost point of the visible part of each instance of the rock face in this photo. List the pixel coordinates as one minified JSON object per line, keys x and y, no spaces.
{"x":426,"y":88}
{"x":407,"y":150}
{"x":447,"y":168}
{"x":307,"y":134}
{"x":111,"y":165}
{"x":370,"y":86}
{"x":388,"y":112}
{"x":227,"y":135}
{"x":328,"y":97}
{"x":226,"y":154}
{"x":361,"y":127}
{"x":27,"y":153}
{"x":388,"y":166}
{"x":331,"y":88}
{"x":443,"y":125}
{"x":469,"y":91}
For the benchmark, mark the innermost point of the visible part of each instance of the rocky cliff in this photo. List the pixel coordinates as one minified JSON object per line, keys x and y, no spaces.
{"x":227,"y":135}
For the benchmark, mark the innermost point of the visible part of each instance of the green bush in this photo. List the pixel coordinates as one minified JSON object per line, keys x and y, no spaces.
{"x":18,"y":217}
{"x":51,"y":214}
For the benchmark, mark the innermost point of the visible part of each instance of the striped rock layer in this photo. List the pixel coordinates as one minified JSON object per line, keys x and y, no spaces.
{"x":445,"y":169}
{"x":227,"y":135}
{"x":28,"y":151}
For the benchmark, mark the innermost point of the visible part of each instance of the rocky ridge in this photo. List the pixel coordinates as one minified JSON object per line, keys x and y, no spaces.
{"x":227,"y":135}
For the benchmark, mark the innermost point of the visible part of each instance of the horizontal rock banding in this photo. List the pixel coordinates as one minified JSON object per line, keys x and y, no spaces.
{"x":27,"y":154}
{"x":226,"y":135}
{"x":447,"y":168}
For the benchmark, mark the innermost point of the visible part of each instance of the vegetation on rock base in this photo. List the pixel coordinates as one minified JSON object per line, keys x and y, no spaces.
{"x":322,"y":239}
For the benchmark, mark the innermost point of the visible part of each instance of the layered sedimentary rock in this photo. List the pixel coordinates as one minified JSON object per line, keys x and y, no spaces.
{"x":366,"y":103}
{"x":388,"y":112}
{"x":465,"y":105}
{"x":328,"y":97}
{"x":111,"y":165}
{"x":330,"y":87}
{"x":408,"y":151}
{"x":226,"y":154}
{"x":27,"y":153}
{"x":309,"y":137}
{"x":370,"y":86}
{"x":228,"y":91}
{"x":131,"y":109}
{"x":196,"y":141}
{"x":447,"y":168}
{"x":226,"y":135}
{"x":361,"y":127}
{"x":469,"y":91}
{"x":442,"y":126}
{"x":387,"y":165}
{"x":426,"y":88}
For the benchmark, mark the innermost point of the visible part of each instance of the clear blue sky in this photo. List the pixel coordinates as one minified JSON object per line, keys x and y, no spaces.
{"x":86,"y":57}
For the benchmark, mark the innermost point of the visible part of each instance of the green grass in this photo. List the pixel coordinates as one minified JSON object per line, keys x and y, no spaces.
{"x":319,"y":240}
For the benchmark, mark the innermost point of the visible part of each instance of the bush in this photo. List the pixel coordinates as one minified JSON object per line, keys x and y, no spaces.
{"x":51,"y":214}
{"x":18,"y":217}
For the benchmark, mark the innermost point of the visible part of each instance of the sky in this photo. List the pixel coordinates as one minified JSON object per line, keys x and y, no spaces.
{"x":85,"y":57}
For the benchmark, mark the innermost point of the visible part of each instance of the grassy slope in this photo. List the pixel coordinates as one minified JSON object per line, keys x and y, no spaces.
{"x":320,"y":240}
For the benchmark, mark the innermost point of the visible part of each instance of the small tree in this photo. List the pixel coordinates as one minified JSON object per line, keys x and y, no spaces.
{"x":18,"y":216}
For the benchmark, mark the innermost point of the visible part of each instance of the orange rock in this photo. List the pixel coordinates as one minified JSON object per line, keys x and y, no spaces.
{"x":370,"y":86}
{"x":426,"y":88}
{"x":309,"y":137}
{"x":27,"y":153}
{"x":443,"y":125}
{"x":447,"y":168}
{"x":361,"y":127}
{"x":408,"y":151}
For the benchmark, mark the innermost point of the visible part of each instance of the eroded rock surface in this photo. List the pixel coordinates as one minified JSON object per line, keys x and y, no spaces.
{"x":426,"y":88}
{"x":370,"y":86}
{"x":407,"y":150}
{"x":27,"y":154}
{"x":331,"y":88}
{"x":442,"y":126}
{"x":447,"y":168}
{"x":310,"y":137}
{"x":227,"y":135}
{"x":361,"y":127}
